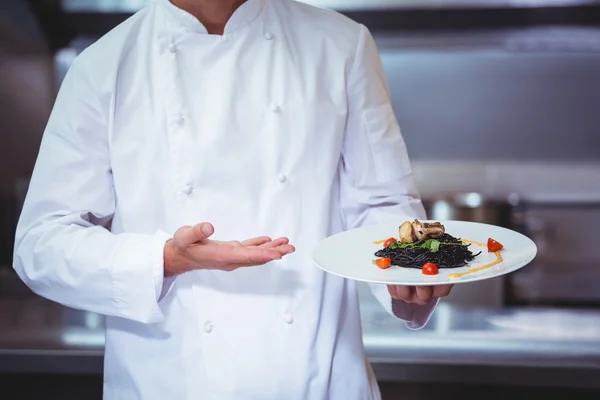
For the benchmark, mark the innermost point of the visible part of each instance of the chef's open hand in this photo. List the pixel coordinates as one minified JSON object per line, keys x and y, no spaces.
{"x":192,"y":249}
{"x":419,"y":294}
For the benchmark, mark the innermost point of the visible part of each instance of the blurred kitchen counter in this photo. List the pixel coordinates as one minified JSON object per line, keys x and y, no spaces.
{"x":540,"y":347}
{"x":517,"y":346}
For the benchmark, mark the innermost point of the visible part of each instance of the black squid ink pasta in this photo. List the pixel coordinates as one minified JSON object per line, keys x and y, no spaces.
{"x":445,"y":252}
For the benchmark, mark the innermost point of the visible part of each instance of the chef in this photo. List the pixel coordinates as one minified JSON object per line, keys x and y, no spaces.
{"x":195,"y":156}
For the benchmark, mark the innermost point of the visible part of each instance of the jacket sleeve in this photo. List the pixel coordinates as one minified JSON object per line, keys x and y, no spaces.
{"x":377,"y":184}
{"x":63,"y":249}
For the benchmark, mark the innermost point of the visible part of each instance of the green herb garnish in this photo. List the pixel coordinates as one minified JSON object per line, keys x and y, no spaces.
{"x":431,"y":244}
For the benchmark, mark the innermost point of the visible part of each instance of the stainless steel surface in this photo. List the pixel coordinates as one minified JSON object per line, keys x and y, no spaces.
{"x":538,"y":39}
{"x":462,"y":336}
{"x":567,"y":269}
{"x":134,"y":5}
{"x":436,"y":4}
{"x":465,"y":343}
{"x":493,"y":95}
{"x":474,"y":207}
{"x":500,"y":346}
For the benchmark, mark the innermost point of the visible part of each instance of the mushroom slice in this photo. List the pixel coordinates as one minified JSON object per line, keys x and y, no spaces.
{"x":407,"y":233}
{"x":428,"y":230}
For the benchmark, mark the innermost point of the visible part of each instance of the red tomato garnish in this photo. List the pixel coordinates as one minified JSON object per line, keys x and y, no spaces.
{"x":430,"y":269}
{"x":494,"y":246}
{"x":388,"y":242}
{"x":383,"y":263}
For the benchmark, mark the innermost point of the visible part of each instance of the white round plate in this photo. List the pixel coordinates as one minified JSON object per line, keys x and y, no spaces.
{"x":350,"y":254}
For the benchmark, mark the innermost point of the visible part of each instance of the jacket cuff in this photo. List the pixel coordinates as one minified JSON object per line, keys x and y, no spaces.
{"x":135,"y":277}
{"x":416,"y":316}
{"x":162,"y":284}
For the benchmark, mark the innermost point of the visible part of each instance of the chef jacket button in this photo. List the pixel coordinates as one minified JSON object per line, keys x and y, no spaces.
{"x":288,"y":318}
{"x":269,"y":35}
{"x":282,"y":178}
{"x":180,"y":119}
{"x":172,"y":48}
{"x":275,"y":109}
{"x":208,"y":327}
{"x":188,"y":189}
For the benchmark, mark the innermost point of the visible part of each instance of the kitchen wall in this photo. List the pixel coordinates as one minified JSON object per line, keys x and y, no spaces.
{"x":493,"y":104}
{"x":500,"y":112}
{"x":27,"y":89}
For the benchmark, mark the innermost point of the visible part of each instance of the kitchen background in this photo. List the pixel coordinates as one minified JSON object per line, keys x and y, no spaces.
{"x":499,"y":103}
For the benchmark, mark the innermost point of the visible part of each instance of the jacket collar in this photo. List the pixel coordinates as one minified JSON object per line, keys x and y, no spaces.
{"x":244,"y":15}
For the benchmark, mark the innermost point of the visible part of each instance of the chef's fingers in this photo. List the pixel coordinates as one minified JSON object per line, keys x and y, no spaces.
{"x":188,"y":235}
{"x":274,"y":243}
{"x":441,"y":291}
{"x":255,"y":255}
{"x":404,"y":293}
{"x":393,"y":292}
{"x":424,"y":294}
{"x":256,"y":241}
{"x":283,"y":248}
{"x":251,"y":256}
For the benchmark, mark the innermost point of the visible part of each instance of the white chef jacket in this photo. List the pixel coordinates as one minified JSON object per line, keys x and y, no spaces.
{"x":283,"y":127}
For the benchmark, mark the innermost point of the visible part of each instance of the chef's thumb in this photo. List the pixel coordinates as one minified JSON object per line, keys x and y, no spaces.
{"x":196,"y":233}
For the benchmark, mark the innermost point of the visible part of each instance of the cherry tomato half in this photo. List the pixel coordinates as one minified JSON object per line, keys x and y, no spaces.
{"x":388,"y":242}
{"x":430,"y":269}
{"x":383,"y":263}
{"x":494,"y":246}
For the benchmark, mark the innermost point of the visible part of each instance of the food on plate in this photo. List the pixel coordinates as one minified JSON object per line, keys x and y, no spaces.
{"x":473,"y":270}
{"x":428,"y":247}
{"x":494,"y":246}
{"x":430,"y":269}
{"x":417,"y":231}
{"x":407,"y":233}
{"x":389,"y":241}
{"x":422,"y":243}
{"x":383,"y":263}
